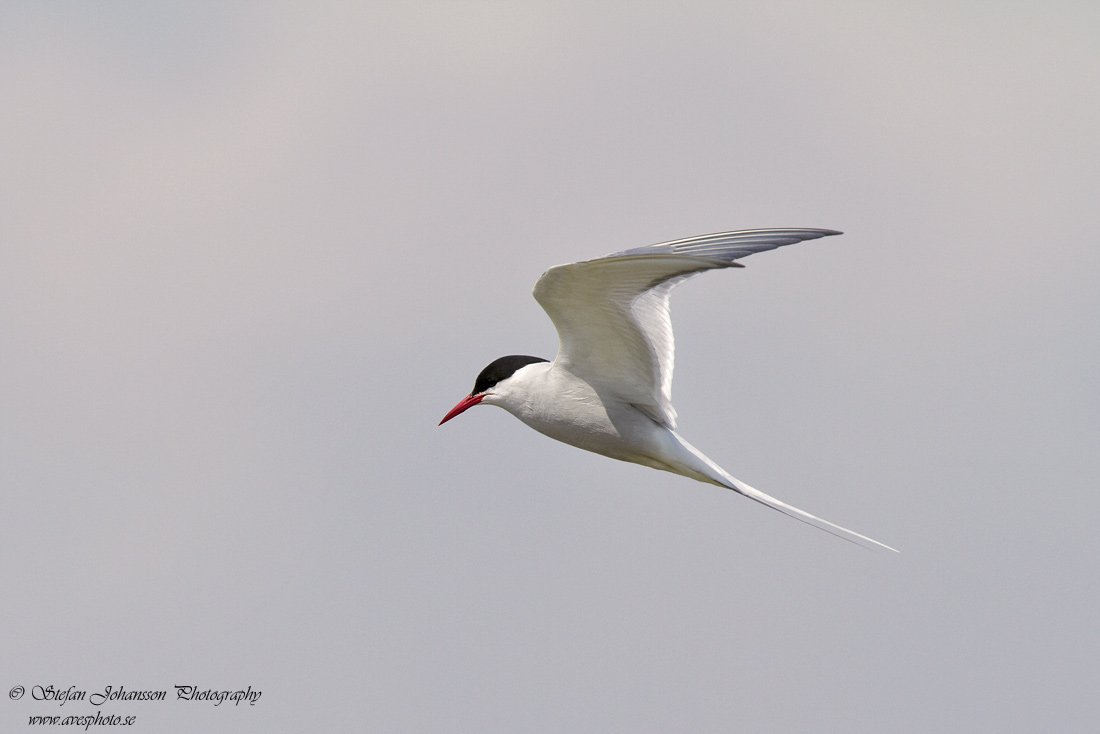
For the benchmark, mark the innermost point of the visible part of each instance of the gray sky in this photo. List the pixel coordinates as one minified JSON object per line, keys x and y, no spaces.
{"x":250,"y":254}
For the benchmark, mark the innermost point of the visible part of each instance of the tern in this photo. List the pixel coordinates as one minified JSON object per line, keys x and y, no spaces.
{"x":609,"y":389}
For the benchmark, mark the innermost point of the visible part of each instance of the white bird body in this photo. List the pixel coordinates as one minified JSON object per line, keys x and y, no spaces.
{"x":609,"y":390}
{"x":558,"y":404}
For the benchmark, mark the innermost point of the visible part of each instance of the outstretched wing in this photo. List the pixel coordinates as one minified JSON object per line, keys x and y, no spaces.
{"x":612,"y":313}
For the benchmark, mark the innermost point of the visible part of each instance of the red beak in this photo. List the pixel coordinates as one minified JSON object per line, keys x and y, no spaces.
{"x":465,"y":404}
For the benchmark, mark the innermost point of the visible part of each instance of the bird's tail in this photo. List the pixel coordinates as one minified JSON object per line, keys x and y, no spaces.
{"x":706,"y":470}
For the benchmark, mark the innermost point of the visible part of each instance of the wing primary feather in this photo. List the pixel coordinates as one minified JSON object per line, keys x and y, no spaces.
{"x":729,"y":246}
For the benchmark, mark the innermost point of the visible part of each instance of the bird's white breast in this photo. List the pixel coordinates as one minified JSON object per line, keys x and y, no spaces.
{"x":564,"y":407}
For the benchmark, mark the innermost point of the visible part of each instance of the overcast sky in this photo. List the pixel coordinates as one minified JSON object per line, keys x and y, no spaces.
{"x":251,"y":253}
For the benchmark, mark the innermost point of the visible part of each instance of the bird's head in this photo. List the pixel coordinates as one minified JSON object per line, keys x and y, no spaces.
{"x":492,"y":382}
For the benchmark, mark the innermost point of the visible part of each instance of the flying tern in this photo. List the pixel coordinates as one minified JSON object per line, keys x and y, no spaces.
{"x":609,"y":390}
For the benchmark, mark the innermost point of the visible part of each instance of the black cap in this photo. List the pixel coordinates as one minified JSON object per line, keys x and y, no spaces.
{"x":502,"y":369}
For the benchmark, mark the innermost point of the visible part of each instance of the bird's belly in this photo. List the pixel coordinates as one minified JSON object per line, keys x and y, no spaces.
{"x":618,"y":432}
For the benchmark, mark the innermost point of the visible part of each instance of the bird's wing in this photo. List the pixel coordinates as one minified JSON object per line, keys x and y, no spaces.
{"x":612,"y":313}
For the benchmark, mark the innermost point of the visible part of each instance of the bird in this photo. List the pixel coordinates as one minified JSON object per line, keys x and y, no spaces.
{"x":609,"y":389}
